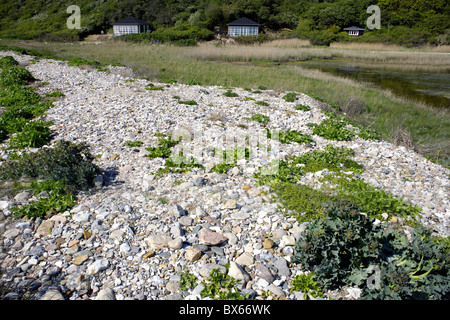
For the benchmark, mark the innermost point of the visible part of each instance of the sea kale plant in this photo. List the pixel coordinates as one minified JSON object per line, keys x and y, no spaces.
{"x":345,"y":247}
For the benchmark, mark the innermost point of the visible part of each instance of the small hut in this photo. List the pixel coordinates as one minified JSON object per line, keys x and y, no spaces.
{"x":130,"y":25}
{"x":243,"y":27}
{"x":354,"y":31}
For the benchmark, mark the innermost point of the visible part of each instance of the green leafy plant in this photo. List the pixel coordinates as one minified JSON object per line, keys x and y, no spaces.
{"x":288,"y":136}
{"x":229,"y":93}
{"x":340,"y":248}
{"x":262,"y":103}
{"x":331,"y":158}
{"x":221,"y":286}
{"x":15,"y":75}
{"x":55,"y":94}
{"x":64,"y":161}
{"x":305,"y":283}
{"x":151,"y":86}
{"x":133,"y":144}
{"x":8,"y":61}
{"x":188,"y":102}
{"x":187,"y":280}
{"x":34,"y":134}
{"x":334,"y":129}
{"x":290,"y":97}
{"x":302,"y":107}
{"x":373,"y":201}
{"x":261,"y":118}
{"x":230,"y":158}
{"x":163,"y":148}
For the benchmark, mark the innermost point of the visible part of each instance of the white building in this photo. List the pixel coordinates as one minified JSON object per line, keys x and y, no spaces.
{"x":130,"y":25}
{"x":243,"y":27}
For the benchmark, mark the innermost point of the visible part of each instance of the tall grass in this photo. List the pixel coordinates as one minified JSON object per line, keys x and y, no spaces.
{"x":239,"y":66}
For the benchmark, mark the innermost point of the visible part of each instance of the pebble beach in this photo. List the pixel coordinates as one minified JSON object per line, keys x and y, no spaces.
{"x":134,"y":235}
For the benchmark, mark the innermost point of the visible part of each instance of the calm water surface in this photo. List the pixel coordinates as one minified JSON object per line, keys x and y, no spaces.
{"x":432,"y":88}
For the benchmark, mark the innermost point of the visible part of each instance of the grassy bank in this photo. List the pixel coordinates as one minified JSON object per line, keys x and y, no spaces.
{"x":398,"y":120}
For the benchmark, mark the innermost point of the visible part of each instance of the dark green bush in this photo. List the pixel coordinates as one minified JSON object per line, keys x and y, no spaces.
{"x":67,"y":162}
{"x":340,"y":248}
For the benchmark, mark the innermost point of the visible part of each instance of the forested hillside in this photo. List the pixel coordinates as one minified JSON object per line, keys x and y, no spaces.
{"x":422,"y":20}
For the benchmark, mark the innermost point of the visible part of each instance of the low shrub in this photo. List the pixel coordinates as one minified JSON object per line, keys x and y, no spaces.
{"x":345,"y":247}
{"x":67,"y":162}
{"x":163,"y":148}
{"x":290,"y":97}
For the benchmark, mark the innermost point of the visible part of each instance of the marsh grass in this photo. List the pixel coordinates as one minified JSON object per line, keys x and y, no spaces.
{"x":253,"y":66}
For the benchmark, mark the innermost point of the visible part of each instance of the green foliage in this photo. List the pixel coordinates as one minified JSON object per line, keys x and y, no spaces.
{"x":278,"y":171}
{"x":334,"y":129}
{"x":229,"y":93}
{"x":33,"y":134}
{"x":15,"y":75}
{"x":289,"y":136}
{"x":302,"y":107}
{"x":187,"y":280}
{"x":261,"y":118}
{"x":8,"y":61}
{"x":188,"y":102}
{"x":262,"y":103}
{"x":301,"y":201}
{"x":55,"y":94}
{"x":152,"y":87}
{"x":178,"y":164}
{"x":76,"y":62}
{"x":331,"y":158}
{"x":221,"y":286}
{"x":305,"y":283}
{"x":67,"y":162}
{"x":133,"y":144}
{"x":373,"y":201}
{"x":290,"y":97}
{"x":57,"y":201}
{"x":340,"y":248}
{"x":230,"y":158}
{"x":163,"y":148}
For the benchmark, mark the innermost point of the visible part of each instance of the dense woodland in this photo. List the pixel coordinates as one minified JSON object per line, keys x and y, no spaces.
{"x":406,"y":22}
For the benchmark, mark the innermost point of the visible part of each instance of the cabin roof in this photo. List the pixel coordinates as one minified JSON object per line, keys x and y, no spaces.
{"x":243,"y":22}
{"x":131,"y":20}
{"x":353,"y":28}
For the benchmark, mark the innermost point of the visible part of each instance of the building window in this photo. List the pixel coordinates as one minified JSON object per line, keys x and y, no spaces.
{"x":236,"y":31}
{"x":125,"y":29}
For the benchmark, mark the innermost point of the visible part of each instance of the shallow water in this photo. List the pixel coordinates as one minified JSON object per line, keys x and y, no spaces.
{"x":430,"y":87}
